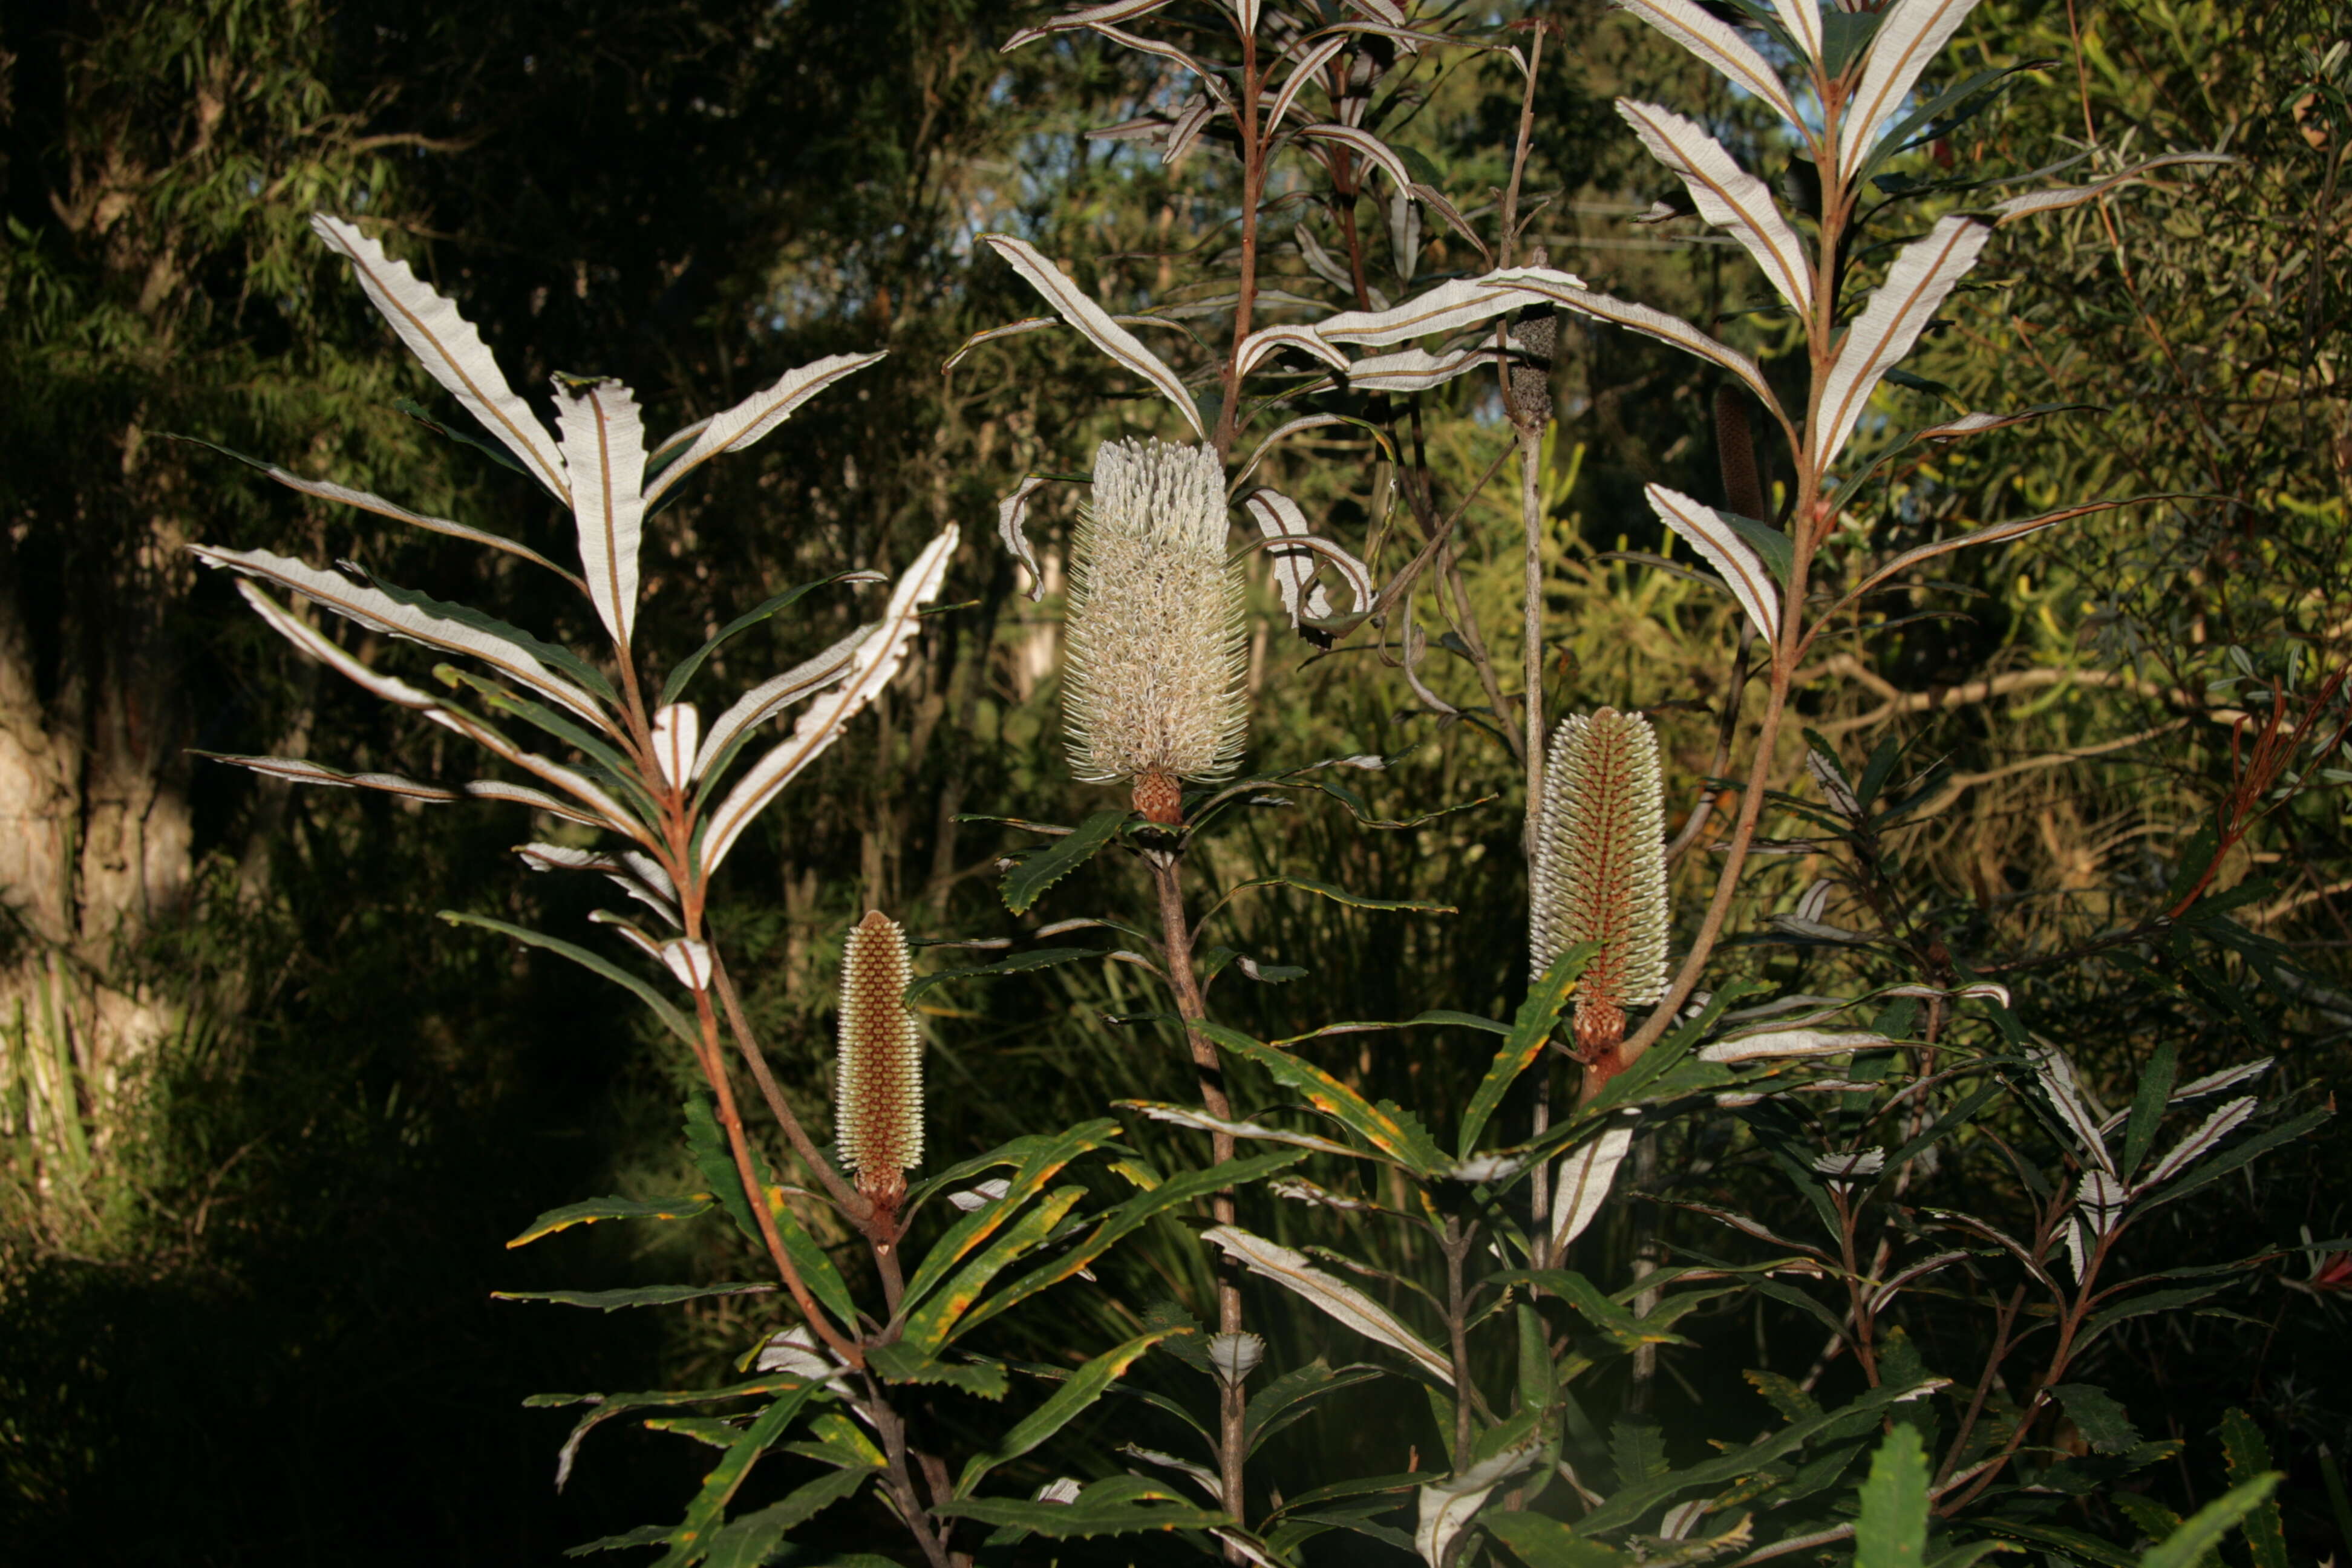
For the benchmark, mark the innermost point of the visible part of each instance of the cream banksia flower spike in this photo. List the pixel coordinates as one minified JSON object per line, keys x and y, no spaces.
{"x":878,"y":1083}
{"x":1601,"y":869}
{"x":1153,"y":689}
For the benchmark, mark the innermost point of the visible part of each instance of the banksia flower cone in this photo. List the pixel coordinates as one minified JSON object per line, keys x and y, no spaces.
{"x":1153,"y":689}
{"x":1600,"y":869}
{"x":878,"y":1084}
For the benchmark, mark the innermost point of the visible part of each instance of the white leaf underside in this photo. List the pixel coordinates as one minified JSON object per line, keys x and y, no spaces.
{"x":1305,"y":71}
{"x":2037,"y":202}
{"x":2199,"y":1144}
{"x":1416,"y":370}
{"x":327,"y":490}
{"x":751,"y":419}
{"x":1722,"y":48}
{"x":876,"y":661}
{"x":1451,"y":306}
{"x":1781,"y":1043}
{"x":1898,"y":312}
{"x":1803,"y":20}
{"x":378,"y":611}
{"x":298,"y":770}
{"x":1201,"y":1121}
{"x":604,"y":448}
{"x":1010,"y":513}
{"x":601,"y":809}
{"x":1719,"y":544}
{"x":1992,"y":533}
{"x":1279,"y":517}
{"x":1655,"y":323}
{"x":1208,"y":79}
{"x":1072,"y":303}
{"x":1307,"y":340}
{"x":989,"y":335}
{"x":1365,"y":146}
{"x":1910,"y":35}
{"x":1080,"y":18}
{"x":449,"y":347}
{"x":1726,"y":195}
{"x":1582,"y":1185}
{"x":1340,"y":1301}
{"x":773,"y":696}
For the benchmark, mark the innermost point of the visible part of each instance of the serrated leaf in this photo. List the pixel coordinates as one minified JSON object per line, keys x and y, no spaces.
{"x":1721,"y":47}
{"x":2189,"y":1545}
{"x":1075,"y":308}
{"x":875,"y":664}
{"x":604,"y":453}
{"x":2249,"y":1459}
{"x":594,"y":963}
{"x":753,"y":1540}
{"x":1386,"y":1127}
{"x":1029,"y":879}
{"x":1062,"y":1522}
{"x":2103,"y":1422}
{"x":1124,"y":1221}
{"x":1922,"y":275}
{"x":1039,"y":1161}
{"x":1910,"y":34}
{"x":638,"y":1296}
{"x":449,"y":347}
{"x":692,"y":1537}
{"x":1541,"y":1541}
{"x":1085,"y":1386}
{"x":1531,"y":1031}
{"x":1018,"y":963}
{"x":1725,"y":549}
{"x":1893,"y":1530}
{"x":749,"y":420}
{"x":897,"y":1362}
{"x":1342,"y":1303}
{"x":593,"y":1209}
{"x":1728,"y":196}
{"x":930,"y":1326}
{"x":775,"y":604}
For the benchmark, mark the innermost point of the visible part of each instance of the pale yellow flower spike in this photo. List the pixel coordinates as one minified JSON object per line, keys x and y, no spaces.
{"x":1152,"y":687}
{"x":1599,"y":873}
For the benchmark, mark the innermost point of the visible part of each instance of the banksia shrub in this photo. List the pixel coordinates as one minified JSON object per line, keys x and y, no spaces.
{"x":878,"y":1084}
{"x":1600,"y":869}
{"x":1153,"y":689}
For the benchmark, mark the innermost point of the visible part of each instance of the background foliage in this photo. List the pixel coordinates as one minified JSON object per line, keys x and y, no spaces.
{"x":251,"y":1308}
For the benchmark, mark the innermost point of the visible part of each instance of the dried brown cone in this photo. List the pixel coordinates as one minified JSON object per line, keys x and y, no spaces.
{"x":1599,"y":872}
{"x":1152,"y":687}
{"x":878,"y":1083}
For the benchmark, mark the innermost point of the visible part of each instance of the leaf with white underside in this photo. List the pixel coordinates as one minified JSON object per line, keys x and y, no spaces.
{"x":1209,"y":79}
{"x":773,"y":696}
{"x":876,"y":662}
{"x":1009,"y":514}
{"x":1583,"y":1184}
{"x":1082,"y":16}
{"x":604,"y":448}
{"x":1996,"y":533}
{"x":298,"y":770}
{"x":449,"y":347}
{"x":1306,"y":71}
{"x":1744,"y":572}
{"x":379,"y":611}
{"x":1803,"y":18}
{"x":1447,"y":1506}
{"x":1201,"y":1121}
{"x":638,"y":875}
{"x":536,"y":799}
{"x":990,"y":334}
{"x":751,"y":419}
{"x":1910,"y":34}
{"x":1343,"y":1302}
{"x":1898,"y":312}
{"x":1309,"y":422}
{"x":1778,"y":1043}
{"x":1266,"y":340}
{"x":1720,"y":46}
{"x":2063,"y":1091}
{"x":2037,"y":202}
{"x":1450,"y":306}
{"x":1365,"y":146}
{"x":327,"y":490}
{"x":2228,"y":1077}
{"x":1415,"y":370}
{"x":320,"y":647}
{"x":1726,"y":195}
{"x":1278,"y":517}
{"x":2199,"y":1144}
{"x":1071,"y":302}
{"x":1654,"y":323}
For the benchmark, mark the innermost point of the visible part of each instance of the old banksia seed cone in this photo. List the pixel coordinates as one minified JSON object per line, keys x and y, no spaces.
{"x":1600,"y":869}
{"x":1153,"y":689}
{"x":878,"y":1084}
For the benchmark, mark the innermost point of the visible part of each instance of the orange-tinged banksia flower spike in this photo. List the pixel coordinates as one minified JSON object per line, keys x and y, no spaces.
{"x":1152,"y":687}
{"x":1601,"y":869}
{"x":878,"y":1084}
